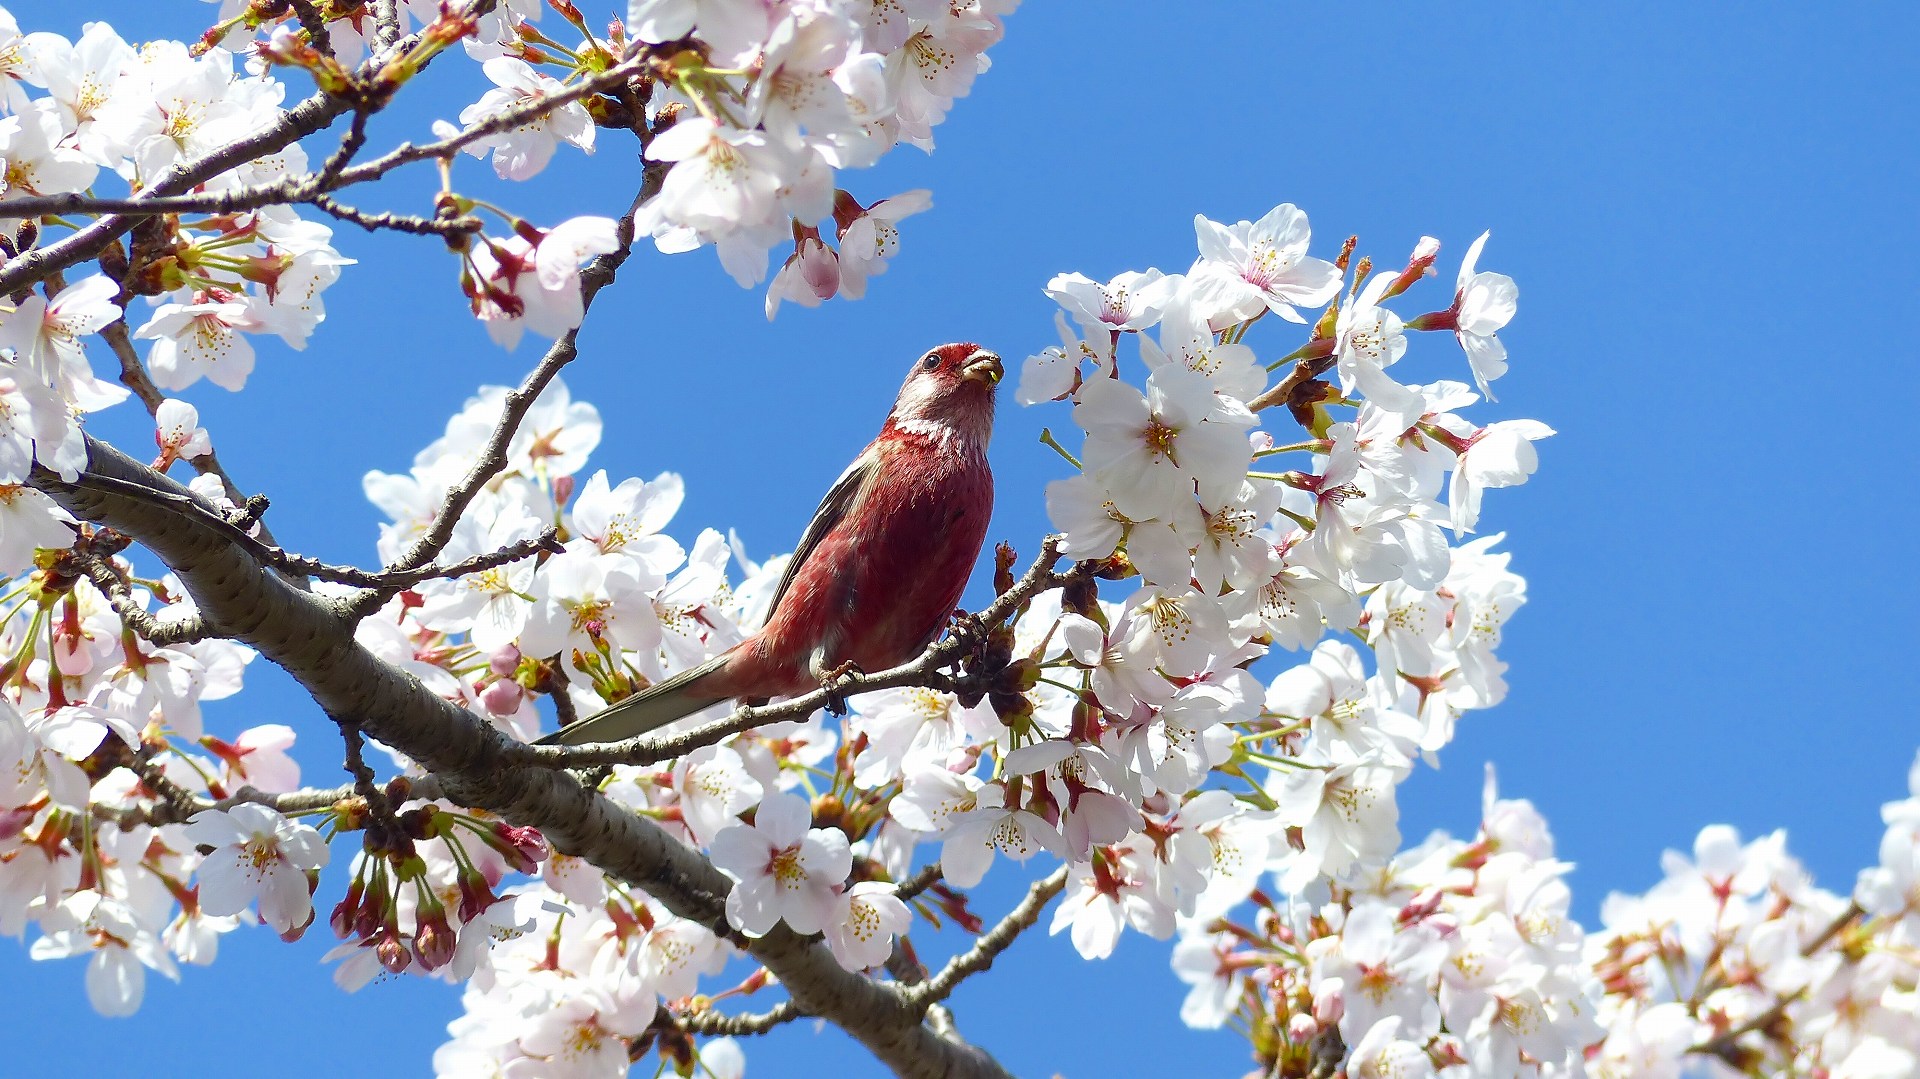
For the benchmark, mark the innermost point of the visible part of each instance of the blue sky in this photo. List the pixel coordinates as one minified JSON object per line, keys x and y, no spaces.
{"x":1711,"y":222}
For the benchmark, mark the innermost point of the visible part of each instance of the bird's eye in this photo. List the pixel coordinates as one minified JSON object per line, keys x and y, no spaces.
{"x":930,"y":361}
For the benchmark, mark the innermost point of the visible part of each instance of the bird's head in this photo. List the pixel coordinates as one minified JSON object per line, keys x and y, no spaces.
{"x":949,"y":393}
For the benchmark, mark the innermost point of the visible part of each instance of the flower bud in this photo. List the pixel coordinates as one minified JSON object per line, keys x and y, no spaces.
{"x":392,"y":953}
{"x":1301,"y":1028}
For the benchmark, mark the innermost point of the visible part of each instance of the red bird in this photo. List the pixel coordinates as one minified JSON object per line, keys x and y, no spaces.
{"x":877,"y":571}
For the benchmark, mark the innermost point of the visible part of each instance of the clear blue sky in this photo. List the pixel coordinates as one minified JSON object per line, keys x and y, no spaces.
{"x":1711,"y":220}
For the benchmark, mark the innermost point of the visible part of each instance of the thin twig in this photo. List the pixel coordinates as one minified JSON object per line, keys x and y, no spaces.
{"x":351,"y":144}
{"x":519,"y":401}
{"x":507,"y":120}
{"x":379,"y":806}
{"x":990,"y":945}
{"x":1722,"y":1044}
{"x":1308,"y":368}
{"x":713,"y":1024}
{"x":119,"y":595}
{"x":922,"y":670}
{"x":919,"y":882}
{"x":133,"y":375}
{"x":300,"y":801}
{"x":462,"y":225}
{"x":335,"y":173}
{"x":311,"y":115}
{"x":315,"y":24}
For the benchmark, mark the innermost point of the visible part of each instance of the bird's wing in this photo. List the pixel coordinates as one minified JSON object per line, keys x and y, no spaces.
{"x":844,"y":493}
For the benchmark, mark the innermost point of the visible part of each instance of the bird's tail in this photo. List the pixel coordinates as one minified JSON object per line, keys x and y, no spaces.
{"x":651,"y":708}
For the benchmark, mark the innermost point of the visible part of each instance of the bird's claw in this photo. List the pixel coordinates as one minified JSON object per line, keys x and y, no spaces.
{"x":966,"y":625}
{"x":833,"y":684}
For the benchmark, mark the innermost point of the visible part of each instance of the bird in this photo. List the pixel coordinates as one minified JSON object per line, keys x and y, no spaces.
{"x":878,"y":570}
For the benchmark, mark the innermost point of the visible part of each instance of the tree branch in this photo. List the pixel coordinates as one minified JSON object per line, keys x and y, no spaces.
{"x":134,"y":376}
{"x":335,"y":173}
{"x":714,"y":1024}
{"x":137,"y":618}
{"x":493,"y":457}
{"x":990,"y":945}
{"x":919,"y":882}
{"x":314,"y":114}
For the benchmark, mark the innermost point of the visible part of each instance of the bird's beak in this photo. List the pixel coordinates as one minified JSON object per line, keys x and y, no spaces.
{"x":983,"y":366}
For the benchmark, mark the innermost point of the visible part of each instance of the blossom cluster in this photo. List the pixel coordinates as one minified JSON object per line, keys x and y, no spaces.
{"x":79,"y":111}
{"x":1738,"y":957}
{"x":1450,"y":957}
{"x":782,"y":96}
{"x":753,"y":108}
{"x":100,"y":732}
{"x":1127,"y":738}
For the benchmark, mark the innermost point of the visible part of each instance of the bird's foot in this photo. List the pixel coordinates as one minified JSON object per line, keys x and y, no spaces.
{"x":966,"y":626}
{"x":834,"y":684}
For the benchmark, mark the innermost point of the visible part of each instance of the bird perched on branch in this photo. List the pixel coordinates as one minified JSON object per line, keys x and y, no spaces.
{"x":879,"y":568}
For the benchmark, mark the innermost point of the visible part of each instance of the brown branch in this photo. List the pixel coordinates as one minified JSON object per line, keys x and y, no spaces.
{"x":990,"y":945}
{"x":314,"y":114}
{"x":134,"y":376}
{"x":461,"y":225}
{"x":119,"y":595}
{"x":927,"y":877}
{"x":301,"y":801}
{"x":919,"y":671}
{"x":714,"y":1024}
{"x":519,"y":401}
{"x":1304,"y":369}
{"x":315,"y":24}
{"x":407,"y":153}
{"x":1723,"y":1045}
{"x":334,"y":174}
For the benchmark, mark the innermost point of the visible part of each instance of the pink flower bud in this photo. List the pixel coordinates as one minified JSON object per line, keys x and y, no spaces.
{"x":524,"y":848}
{"x":503,"y":698}
{"x":1329,"y":1005}
{"x":392,"y":953}
{"x":434,"y":942}
{"x":505,"y":661}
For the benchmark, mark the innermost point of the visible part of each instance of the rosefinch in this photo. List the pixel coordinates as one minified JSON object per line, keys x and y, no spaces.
{"x":877,"y":571}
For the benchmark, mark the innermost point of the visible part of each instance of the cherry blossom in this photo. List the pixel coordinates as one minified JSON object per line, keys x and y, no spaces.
{"x":1249,"y":266}
{"x":865,"y":919}
{"x":203,"y":338}
{"x":179,"y":434}
{"x":871,"y":235}
{"x":785,"y":870}
{"x":258,"y":855}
